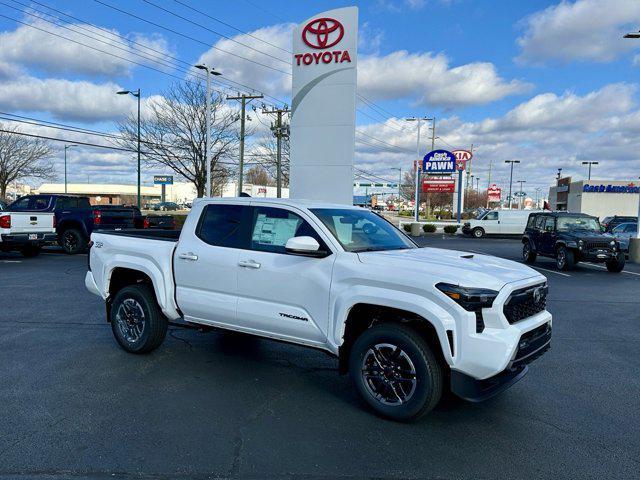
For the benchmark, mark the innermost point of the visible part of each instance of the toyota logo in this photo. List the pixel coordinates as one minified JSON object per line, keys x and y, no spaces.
{"x":322,"y":33}
{"x":537,"y":295}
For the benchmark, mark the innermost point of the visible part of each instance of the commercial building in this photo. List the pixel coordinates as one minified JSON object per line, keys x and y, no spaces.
{"x":600,"y":198}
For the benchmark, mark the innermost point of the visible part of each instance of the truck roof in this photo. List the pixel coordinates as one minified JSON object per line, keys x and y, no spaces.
{"x":298,"y":202}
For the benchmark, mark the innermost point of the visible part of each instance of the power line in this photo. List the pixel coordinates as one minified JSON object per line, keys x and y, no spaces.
{"x":193,"y":22}
{"x":258,"y":7}
{"x":207,"y":44}
{"x":383,"y":142}
{"x":200,"y":12}
{"x":373,"y":175}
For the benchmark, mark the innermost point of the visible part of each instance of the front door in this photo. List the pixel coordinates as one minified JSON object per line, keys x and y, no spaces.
{"x":548,"y":236}
{"x":206,"y":265}
{"x":281,"y":294}
{"x":491,"y":222}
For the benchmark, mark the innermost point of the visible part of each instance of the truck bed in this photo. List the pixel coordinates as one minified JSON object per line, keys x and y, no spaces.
{"x":155,"y":234}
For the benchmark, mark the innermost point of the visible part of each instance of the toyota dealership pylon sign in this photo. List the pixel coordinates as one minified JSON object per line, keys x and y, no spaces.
{"x":323,"y":107}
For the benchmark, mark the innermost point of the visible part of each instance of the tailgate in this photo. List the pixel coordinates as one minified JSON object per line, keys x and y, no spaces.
{"x":31,"y":222}
{"x":114,"y":217}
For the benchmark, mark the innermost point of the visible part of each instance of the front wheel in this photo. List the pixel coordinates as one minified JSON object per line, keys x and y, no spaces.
{"x":396,"y":372}
{"x":565,"y":259}
{"x":616,"y":265}
{"x":528,"y":255}
{"x":136,"y":320}
{"x":478,"y":232}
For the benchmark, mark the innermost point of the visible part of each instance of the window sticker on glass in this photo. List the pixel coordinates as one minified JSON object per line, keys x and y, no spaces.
{"x":274,"y":231}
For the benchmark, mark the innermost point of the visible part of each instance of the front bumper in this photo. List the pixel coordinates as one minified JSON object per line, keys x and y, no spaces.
{"x":466,"y":228}
{"x":532,"y":345}
{"x":596,"y":256}
{"x":22,"y":239}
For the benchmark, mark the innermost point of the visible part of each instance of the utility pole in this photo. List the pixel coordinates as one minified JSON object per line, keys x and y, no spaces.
{"x":399,"y":181}
{"x":469,"y":166}
{"x":136,"y":94}
{"x":243,"y":102}
{"x":210,"y":71}
{"x":65,"y":165}
{"x":489,"y":181}
{"x":419,"y":160}
{"x":511,"y":180}
{"x":521,"y":193}
{"x":280,"y":131}
{"x":537,"y":194}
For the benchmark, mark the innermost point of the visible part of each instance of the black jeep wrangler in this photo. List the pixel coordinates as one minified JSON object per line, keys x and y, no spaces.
{"x":570,"y":238}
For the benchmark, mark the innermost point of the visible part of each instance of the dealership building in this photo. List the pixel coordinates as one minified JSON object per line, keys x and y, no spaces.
{"x":600,"y":198}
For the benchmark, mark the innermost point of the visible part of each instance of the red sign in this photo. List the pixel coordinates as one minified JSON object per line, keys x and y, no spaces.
{"x":439,"y":186}
{"x":494,"y":193}
{"x":322,"y":33}
{"x":462,"y":157}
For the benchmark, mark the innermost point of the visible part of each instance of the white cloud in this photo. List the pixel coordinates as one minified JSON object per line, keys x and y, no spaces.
{"x":65,"y":99}
{"x":420,"y":78}
{"x":34,"y":47}
{"x":424,"y":78}
{"x":588,"y":30}
{"x":546,"y":132}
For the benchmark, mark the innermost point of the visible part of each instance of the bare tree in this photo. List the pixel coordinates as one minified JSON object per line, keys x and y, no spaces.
{"x":266,"y":156}
{"x":258,"y":176}
{"x":174,"y":135}
{"x":23,"y":157}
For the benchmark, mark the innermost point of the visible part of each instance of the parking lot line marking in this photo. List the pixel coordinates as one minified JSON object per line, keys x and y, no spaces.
{"x":10,"y":261}
{"x":604,"y":268}
{"x":553,"y":271}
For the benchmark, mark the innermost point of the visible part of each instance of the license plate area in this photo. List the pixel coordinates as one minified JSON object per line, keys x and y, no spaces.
{"x":33,"y":236}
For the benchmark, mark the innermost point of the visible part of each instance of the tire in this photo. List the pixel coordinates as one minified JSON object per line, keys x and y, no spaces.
{"x":73,"y":241}
{"x":30,"y":251}
{"x":528,"y":255}
{"x":617,"y":265}
{"x":144,"y":336}
{"x":565,"y":258}
{"x":421,"y":390}
{"x":477,"y":232}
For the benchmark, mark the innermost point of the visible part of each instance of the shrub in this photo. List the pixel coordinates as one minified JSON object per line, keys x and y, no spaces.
{"x":406,"y":227}
{"x":428,"y":228}
{"x":405,"y":213}
{"x":451,"y":229}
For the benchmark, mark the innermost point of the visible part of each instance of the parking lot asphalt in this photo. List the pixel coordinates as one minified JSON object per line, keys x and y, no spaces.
{"x":223,"y":405}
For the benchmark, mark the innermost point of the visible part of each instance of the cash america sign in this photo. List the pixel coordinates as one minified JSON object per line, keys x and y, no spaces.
{"x":323,"y":106}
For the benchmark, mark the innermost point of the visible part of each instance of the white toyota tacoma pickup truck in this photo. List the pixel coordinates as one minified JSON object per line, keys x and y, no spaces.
{"x":405,"y":322}
{"x":26,"y":231}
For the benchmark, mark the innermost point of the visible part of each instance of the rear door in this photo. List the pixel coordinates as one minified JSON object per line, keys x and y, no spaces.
{"x":206,"y":264}
{"x":31,"y":222}
{"x":548,"y":235}
{"x":280,"y":294}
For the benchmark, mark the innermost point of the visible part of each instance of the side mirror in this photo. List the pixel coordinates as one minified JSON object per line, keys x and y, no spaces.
{"x":304,"y":246}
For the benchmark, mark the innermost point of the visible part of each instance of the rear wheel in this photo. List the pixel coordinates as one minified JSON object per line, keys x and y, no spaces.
{"x":478,"y":232}
{"x":29,"y":251}
{"x":617,"y":265}
{"x":528,"y":255}
{"x":565,"y":258}
{"x":73,"y":241}
{"x":136,"y":320}
{"x":396,"y":372}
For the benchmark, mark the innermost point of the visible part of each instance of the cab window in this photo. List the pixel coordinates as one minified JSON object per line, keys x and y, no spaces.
{"x":221,"y":226}
{"x":540,"y":222}
{"x":271,"y":228}
{"x":549,"y":224}
{"x":491,"y":216}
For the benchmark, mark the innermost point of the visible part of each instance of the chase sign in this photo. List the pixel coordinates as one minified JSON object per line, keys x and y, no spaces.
{"x":439,"y":162}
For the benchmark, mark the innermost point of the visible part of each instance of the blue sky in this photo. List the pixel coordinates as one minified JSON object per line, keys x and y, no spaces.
{"x":551,"y":83}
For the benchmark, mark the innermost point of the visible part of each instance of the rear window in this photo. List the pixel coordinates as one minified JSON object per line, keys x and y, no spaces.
{"x":31,"y":203}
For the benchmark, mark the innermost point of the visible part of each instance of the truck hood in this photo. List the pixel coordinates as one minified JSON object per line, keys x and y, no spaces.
{"x":452,"y":266}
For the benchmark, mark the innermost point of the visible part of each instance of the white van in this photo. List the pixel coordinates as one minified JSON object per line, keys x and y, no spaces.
{"x":498,"y":222}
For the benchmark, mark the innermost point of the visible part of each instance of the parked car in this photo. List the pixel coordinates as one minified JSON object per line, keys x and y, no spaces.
{"x":166,"y":206}
{"x":26,"y":232}
{"x":497,"y":222}
{"x":609,"y":223}
{"x":623,"y":232}
{"x":163,"y":222}
{"x":570,"y":238}
{"x":336,"y":278}
{"x":76,"y":218}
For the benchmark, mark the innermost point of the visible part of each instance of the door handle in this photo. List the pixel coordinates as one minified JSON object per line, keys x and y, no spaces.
{"x":188,"y":256}
{"x":249,"y":264}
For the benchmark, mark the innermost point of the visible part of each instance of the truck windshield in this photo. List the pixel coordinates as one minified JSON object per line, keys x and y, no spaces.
{"x":362,"y":230}
{"x":577,"y":223}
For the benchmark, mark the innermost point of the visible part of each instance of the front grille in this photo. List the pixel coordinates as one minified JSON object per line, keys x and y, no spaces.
{"x":532,"y":345}
{"x":597,"y":244}
{"x":525,"y":303}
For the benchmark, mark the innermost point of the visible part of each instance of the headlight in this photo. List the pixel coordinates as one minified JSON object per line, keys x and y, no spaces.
{"x":580,"y":244}
{"x":471,"y":299}
{"x":612,"y":243}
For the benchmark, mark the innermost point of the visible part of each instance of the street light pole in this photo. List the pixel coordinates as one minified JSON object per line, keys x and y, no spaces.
{"x":635,"y":35}
{"x":65,"y":165}
{"x":418,"y":160}
{"x":399,"y":180}
{"x":512,"y":162}
{"x":521,"y":193}
{"x":589,"y":163}
{"x":137,"y":95}
{"x":210,"y":71}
